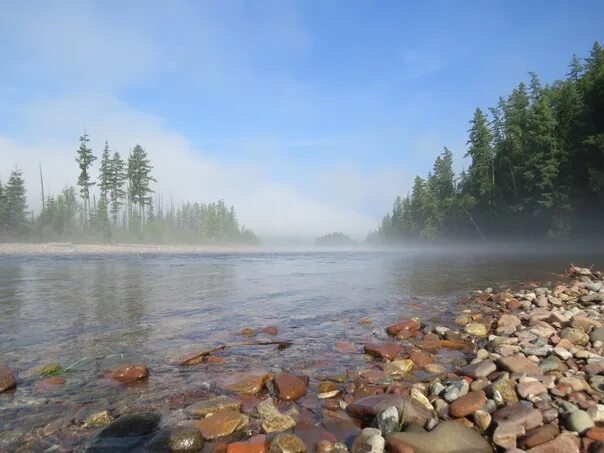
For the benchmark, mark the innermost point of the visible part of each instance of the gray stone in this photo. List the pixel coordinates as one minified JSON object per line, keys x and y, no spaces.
{"x":447,"y":437}
{"x":597,"y":334}
{"x":579,"y":421}
{"x":369,"y":440}
{"x":387,"y":421}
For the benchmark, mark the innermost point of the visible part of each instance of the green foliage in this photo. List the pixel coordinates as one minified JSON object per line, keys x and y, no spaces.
{"x":536,"y":171}
{"x":125,"y":211}
{"x":85,"y":159}
{"x":336,"y":239}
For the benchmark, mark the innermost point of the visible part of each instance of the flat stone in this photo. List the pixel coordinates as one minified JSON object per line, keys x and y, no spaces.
{"x":596,"y":434}
{"x":368,"y":407}
{"x":287,"y":443}
{"x":520,"y":415}
{"x":289,"y":387}
{"x":482,"y":419}
{"x":467,"y":404}
{"x":386,"y":351}
{"x":538,"y":436}
{"x":564,"y":443}
{"x":256,"y":444}
{"x":420,"y":358}
{"x":447,"y":437}
{"x":477,"y":370}
{"x":213,"y":405}
{"x":505,"y":435}
{"x":530,"y":388}
{"x":584,"y":323}
{"x":128,"y":374}
{"x":7,"y":379}
{"x":247,"y":383}
{"x":518,"y":364}
{"x":278,"y":423}
{"x":221,"y":424}
{"x":410,"y":325}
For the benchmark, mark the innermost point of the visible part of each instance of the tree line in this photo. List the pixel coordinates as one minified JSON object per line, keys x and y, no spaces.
{"x":536,"y":171}
{"x":125,"y":210}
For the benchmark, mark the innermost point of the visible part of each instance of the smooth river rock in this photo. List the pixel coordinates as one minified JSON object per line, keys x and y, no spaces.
{"x":447,"y":437}
{"x":181,"y":440}
{"x":289,"y":387}
{"x":221,"y":424}
{"x":7,"y":379}
{"x":246,"y":383}
{"x":131,"y":373}
{"x":467,"y":404}
{"x":368,"y":407}
{"x":386,"y":351}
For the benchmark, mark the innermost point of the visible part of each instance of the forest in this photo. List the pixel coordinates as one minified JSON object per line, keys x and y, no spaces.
{"x":124,"y":211}
{"x":536,"y":168}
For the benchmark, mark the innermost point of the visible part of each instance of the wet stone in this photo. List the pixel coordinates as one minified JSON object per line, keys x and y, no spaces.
{"x":131,"y":373}
{"x":137,"y":424}
{"x":182,"y":440}
{"x":289,"y":387}
{"x":7,"y":379}
{"x":213,"y":405}
{"x":386,"y":351}
{"x":246,"y":383}
{"x":256,"y":444}
{"x":221,"y":424}
{"x":287,"y":443}
{"x":476,"y":329}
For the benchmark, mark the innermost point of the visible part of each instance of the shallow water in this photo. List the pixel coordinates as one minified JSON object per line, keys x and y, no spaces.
{"x":108,"y":310}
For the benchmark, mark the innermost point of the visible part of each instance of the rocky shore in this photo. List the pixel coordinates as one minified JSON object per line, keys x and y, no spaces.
{"x":527,"y":374}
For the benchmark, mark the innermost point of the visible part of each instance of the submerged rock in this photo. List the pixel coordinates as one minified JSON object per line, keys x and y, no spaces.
{"x":256,"y":444}
{"x":386,"y":351}
{"x":213,"y":405}
{"x":287,"y":443}
{"x":247,"y":383}
{"x":181,"y":440}
{"x":125,"y":433}
{"x":7,"y":379}
{"x":289,"y":387}
{"x":128,"y":374}
{"x":221,"y":424}
{"x":369,"y":440}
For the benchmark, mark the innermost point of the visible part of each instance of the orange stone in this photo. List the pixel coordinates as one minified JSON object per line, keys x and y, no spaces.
{"x":256,"y":444}
{"x":386,"y":351}
{"x":128,"y":374}
{"x":289,"y":387}
{"x":221,"y":424}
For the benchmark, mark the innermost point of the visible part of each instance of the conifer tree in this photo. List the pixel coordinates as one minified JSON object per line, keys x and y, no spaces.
{"x":85,"y":158}
{"x":15,"y":209}
{"x":139,"y":180}
{"x":117,"y":181}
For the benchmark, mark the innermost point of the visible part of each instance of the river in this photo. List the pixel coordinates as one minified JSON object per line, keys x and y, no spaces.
{"x":101,"y":311}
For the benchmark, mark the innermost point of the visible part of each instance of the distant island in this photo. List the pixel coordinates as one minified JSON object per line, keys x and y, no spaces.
{"x":336,"y":239}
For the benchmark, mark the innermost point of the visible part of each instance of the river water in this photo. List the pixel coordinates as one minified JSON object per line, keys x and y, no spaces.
{"x":103,"y":311}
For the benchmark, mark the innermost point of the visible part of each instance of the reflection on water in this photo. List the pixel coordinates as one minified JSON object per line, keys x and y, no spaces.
{"x":111,"y":310}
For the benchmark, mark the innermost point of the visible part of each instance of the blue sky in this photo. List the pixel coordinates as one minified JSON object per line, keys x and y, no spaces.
{"x":309,"y":115}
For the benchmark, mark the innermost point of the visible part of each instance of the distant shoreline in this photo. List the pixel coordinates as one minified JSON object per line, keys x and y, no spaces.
{"x":68,"y":248}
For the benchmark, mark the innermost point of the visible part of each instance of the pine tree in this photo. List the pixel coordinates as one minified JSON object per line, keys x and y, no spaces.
{"x":139,"y":180}
{"x":481,"y":173}
{"x":85,"y":158}
{"x":2,"y":207}
{"x":117,"y":181}
{"x":15,"y":210}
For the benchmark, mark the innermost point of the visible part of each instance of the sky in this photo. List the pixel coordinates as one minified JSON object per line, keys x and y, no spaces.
{"x":308,"y":116}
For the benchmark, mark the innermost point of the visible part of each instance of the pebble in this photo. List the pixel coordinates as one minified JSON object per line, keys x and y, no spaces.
{"x":579,"y":421}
